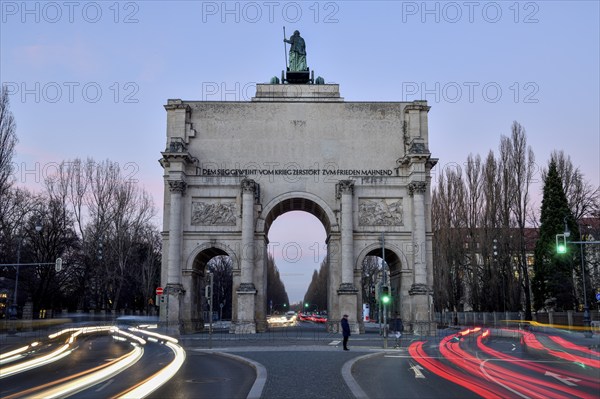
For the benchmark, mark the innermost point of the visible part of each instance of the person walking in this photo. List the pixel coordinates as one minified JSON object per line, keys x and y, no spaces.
{"x":345,"y":331}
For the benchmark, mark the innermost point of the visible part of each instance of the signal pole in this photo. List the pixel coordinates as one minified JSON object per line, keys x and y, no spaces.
{"x":561,"y":248}
{"x":382,"y":297}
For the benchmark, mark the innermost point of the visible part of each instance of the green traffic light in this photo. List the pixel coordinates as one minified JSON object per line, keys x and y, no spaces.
{"x":385,"y":299}
{"x":561,"y":249}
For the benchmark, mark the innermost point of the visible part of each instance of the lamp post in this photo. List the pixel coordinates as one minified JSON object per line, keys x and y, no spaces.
{"x":586,"y":308}
{"x":14,"y":309}
{"x":384,"y":298}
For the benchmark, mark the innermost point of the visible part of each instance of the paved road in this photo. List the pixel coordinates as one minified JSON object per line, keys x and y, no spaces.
{"x":396,"y":374}
{"x":209,"y":375}
{"x":302,"y":372}
{"x":309,"y":363}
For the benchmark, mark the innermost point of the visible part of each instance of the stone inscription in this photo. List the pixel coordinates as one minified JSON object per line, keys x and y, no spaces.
{"x":380,"y":212}
{"x":213,"y":214}
{"x":297,"y":172}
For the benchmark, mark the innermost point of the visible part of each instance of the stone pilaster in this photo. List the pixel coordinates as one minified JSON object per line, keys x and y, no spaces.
{"x":417,"y":191}
{"x":347,"y":293}
{"x":177,"y":189}
{"x":170,"y":311}
{"x":247,"y":263}
{"x":345,"y":191}
{"x":420,"y":290}
{"x":246,"y":291}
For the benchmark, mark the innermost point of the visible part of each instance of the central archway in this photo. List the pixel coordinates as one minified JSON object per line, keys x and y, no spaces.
{"x":298,"y":202}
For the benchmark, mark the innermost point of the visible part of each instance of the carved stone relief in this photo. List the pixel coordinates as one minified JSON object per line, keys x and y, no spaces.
{"x":213,"y":213}
{"x":380,"y":212}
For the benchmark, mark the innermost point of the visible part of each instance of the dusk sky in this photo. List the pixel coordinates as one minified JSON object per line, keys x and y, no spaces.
{"x":89,"y":79}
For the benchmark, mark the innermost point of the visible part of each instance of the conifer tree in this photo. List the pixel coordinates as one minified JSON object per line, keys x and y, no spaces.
{"x":553,"y":280}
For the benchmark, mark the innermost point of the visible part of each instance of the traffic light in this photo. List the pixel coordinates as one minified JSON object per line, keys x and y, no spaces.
{"x":385,"y":295}
{"x":58,"y":264}
{"x":561,"y":244}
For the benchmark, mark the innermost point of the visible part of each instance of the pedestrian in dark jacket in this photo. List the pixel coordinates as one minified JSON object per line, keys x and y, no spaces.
{"x":345,"y":331}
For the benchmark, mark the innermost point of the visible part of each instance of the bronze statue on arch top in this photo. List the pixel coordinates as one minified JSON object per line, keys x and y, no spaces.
{"x":297,"y":70}
{"x":297,"y":53}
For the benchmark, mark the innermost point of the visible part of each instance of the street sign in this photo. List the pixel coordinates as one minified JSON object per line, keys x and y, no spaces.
{"x":159,"y":290}
{"x":598,"y":296}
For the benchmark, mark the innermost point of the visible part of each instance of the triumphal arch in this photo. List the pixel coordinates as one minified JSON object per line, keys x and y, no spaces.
{"x":231,"y":168}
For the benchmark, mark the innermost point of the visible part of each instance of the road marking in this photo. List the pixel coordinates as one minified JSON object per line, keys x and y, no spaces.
{"x":564,"y":380}
{"x":417,"y":369}
{"x":334,"y":342}
{"x":105,"y":385}
{"x":497,"y":381}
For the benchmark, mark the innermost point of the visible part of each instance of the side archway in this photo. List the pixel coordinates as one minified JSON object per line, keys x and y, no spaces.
{"x":400,"y":276}
{"x":194,"y":281}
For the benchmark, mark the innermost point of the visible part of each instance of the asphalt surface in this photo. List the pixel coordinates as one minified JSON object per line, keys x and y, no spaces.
{"x":302,"y":362}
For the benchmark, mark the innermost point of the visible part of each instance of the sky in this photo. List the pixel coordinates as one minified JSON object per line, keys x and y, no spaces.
{"x":89,"y":79}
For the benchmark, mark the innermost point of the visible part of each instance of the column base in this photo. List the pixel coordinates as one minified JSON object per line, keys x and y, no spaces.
{"x":246,"y":288}
{"x":419,"y":289}
{"x":348,"y":303}
{"x":243,"y":327}
{"x":421,"y":318}
{"x":246,"y":322}
{"x":347,"y":289}
{"x":170,"y":310}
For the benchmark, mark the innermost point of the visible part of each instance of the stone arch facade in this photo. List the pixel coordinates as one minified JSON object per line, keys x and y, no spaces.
{"x":231,"y":168}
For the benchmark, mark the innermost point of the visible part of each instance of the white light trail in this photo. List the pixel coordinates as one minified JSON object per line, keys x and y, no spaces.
{"x":89,"y":380}
{"x":40,"y":361}
{"x":157,"y":380}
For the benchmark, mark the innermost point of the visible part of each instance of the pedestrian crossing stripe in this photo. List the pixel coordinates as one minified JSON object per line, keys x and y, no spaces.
{"x":334,"y":342}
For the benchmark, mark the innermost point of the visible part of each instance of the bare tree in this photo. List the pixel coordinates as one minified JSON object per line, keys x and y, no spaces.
{"x":8,"y":199}
{"x":144,"y":274}
{"x":449,"y":217}
{"x":222,"y":269}
{"x":474,"y":206}
{"x":54,"y":237}
{"x":371,"y":275}
{"x":131,"y":210}
{"x":8,"y":142}
{"x":70,"y":185}
{"x":518,"y":166}
{"x":113,"y":219}
{"x":582,"y":196}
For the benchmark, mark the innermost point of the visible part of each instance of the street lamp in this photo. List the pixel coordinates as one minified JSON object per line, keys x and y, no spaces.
{"x":14,"y":308}
{"x":586,"y":308}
